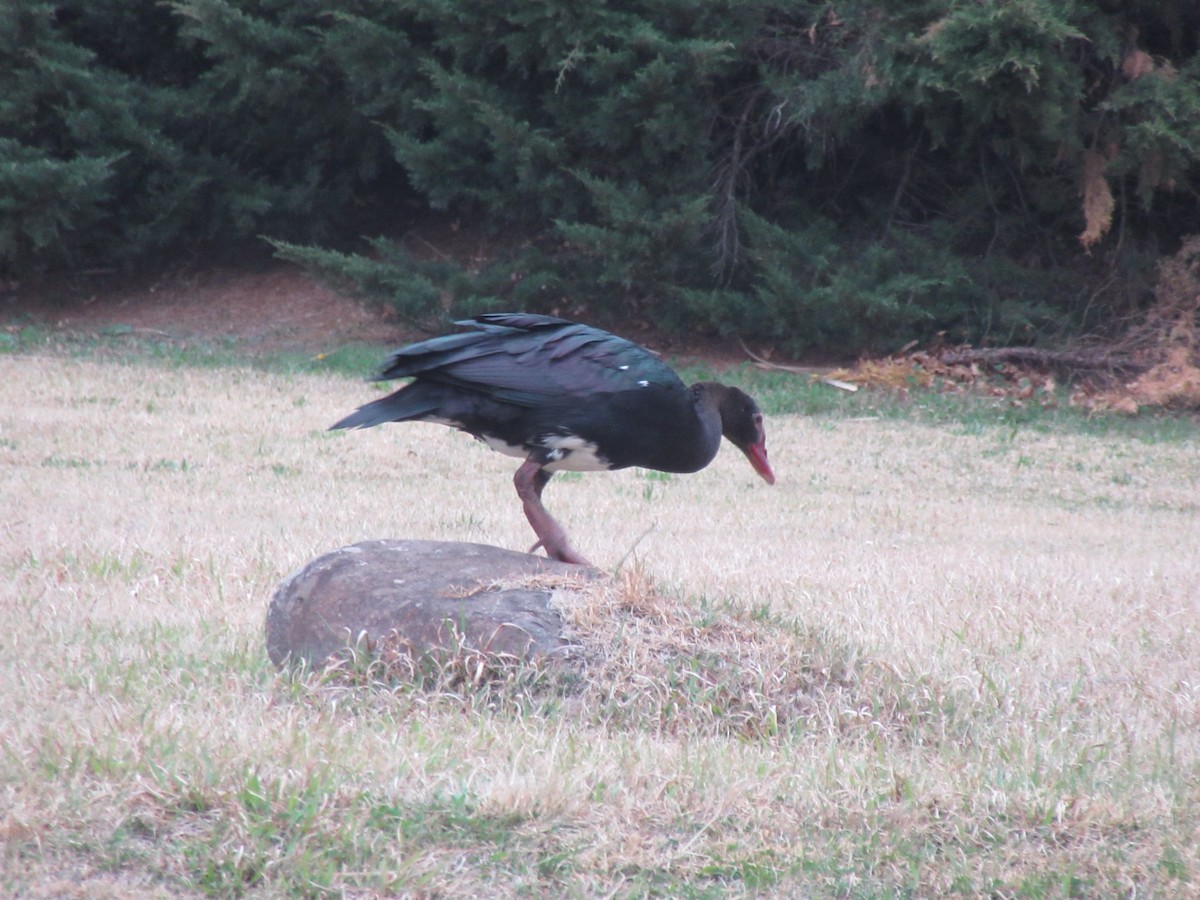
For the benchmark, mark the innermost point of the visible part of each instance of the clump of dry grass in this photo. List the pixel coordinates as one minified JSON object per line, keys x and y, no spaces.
{"x":395,"y":661}
{"x":1170,"y":338}
{"x":652,"y":659}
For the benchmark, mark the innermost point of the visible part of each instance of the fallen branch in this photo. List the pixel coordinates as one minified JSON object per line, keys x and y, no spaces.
{"x":765,"y":363}
{"x":810,"y":371}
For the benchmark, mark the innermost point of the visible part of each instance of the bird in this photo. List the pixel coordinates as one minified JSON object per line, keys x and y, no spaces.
{"x":564,"y":396}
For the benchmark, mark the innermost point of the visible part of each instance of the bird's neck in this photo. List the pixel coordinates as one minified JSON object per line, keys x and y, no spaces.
{"x":707,"y":397}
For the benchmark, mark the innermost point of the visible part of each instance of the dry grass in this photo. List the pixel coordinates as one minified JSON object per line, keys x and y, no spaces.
{"x":930,"y":660}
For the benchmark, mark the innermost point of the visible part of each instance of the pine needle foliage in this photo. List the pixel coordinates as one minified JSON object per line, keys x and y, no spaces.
{"x":132,"y":129}
{"x":853,"y":175}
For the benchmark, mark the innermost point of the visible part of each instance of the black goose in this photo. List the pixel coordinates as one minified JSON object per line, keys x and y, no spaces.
{"x":564,"y":396}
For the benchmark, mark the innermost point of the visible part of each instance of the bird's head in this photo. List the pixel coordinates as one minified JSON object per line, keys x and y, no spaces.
{"x":742,"y":423}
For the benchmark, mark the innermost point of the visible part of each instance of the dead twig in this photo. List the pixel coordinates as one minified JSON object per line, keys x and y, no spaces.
{"x":764,"y":363}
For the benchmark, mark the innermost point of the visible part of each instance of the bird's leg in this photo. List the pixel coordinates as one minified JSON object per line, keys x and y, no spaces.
{"x":529,"y":481}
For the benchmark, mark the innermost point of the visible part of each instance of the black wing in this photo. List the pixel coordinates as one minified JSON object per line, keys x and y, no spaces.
{"x":530,"y":360}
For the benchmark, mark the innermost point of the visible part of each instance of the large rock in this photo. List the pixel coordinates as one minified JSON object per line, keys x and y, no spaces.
{"x":421,"y":598}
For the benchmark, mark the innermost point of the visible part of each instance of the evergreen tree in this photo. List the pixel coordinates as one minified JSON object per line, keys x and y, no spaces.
{"x":854,"y":174}
{"x":71,"y":135}
{"x":130,"y":128}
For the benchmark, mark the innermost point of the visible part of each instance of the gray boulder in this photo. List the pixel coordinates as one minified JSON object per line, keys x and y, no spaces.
{"x":421,"y":598}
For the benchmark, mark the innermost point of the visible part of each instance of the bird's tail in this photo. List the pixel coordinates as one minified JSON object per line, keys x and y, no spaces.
{"x":402,"y":406}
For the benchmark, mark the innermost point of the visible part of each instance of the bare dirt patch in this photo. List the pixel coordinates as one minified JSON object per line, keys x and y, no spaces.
{"x":266,"y":307}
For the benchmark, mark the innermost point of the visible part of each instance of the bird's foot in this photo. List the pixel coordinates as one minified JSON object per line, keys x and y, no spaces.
{"x":560,"y":550}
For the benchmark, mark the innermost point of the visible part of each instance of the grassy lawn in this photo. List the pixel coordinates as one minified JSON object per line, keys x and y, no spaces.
{"x":952,"y":652}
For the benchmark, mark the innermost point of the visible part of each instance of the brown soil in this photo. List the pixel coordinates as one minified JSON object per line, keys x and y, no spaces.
{"x":269,"y":306}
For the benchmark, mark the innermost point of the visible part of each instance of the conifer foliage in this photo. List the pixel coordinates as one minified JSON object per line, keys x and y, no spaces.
{"x":852,"y":174}
{"x":131,"y":129}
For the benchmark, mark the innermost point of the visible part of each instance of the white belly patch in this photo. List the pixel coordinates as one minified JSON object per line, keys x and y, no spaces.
{"x":567,"y":452}
{"x":571,"y":453}
{"x":502,"y":447}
